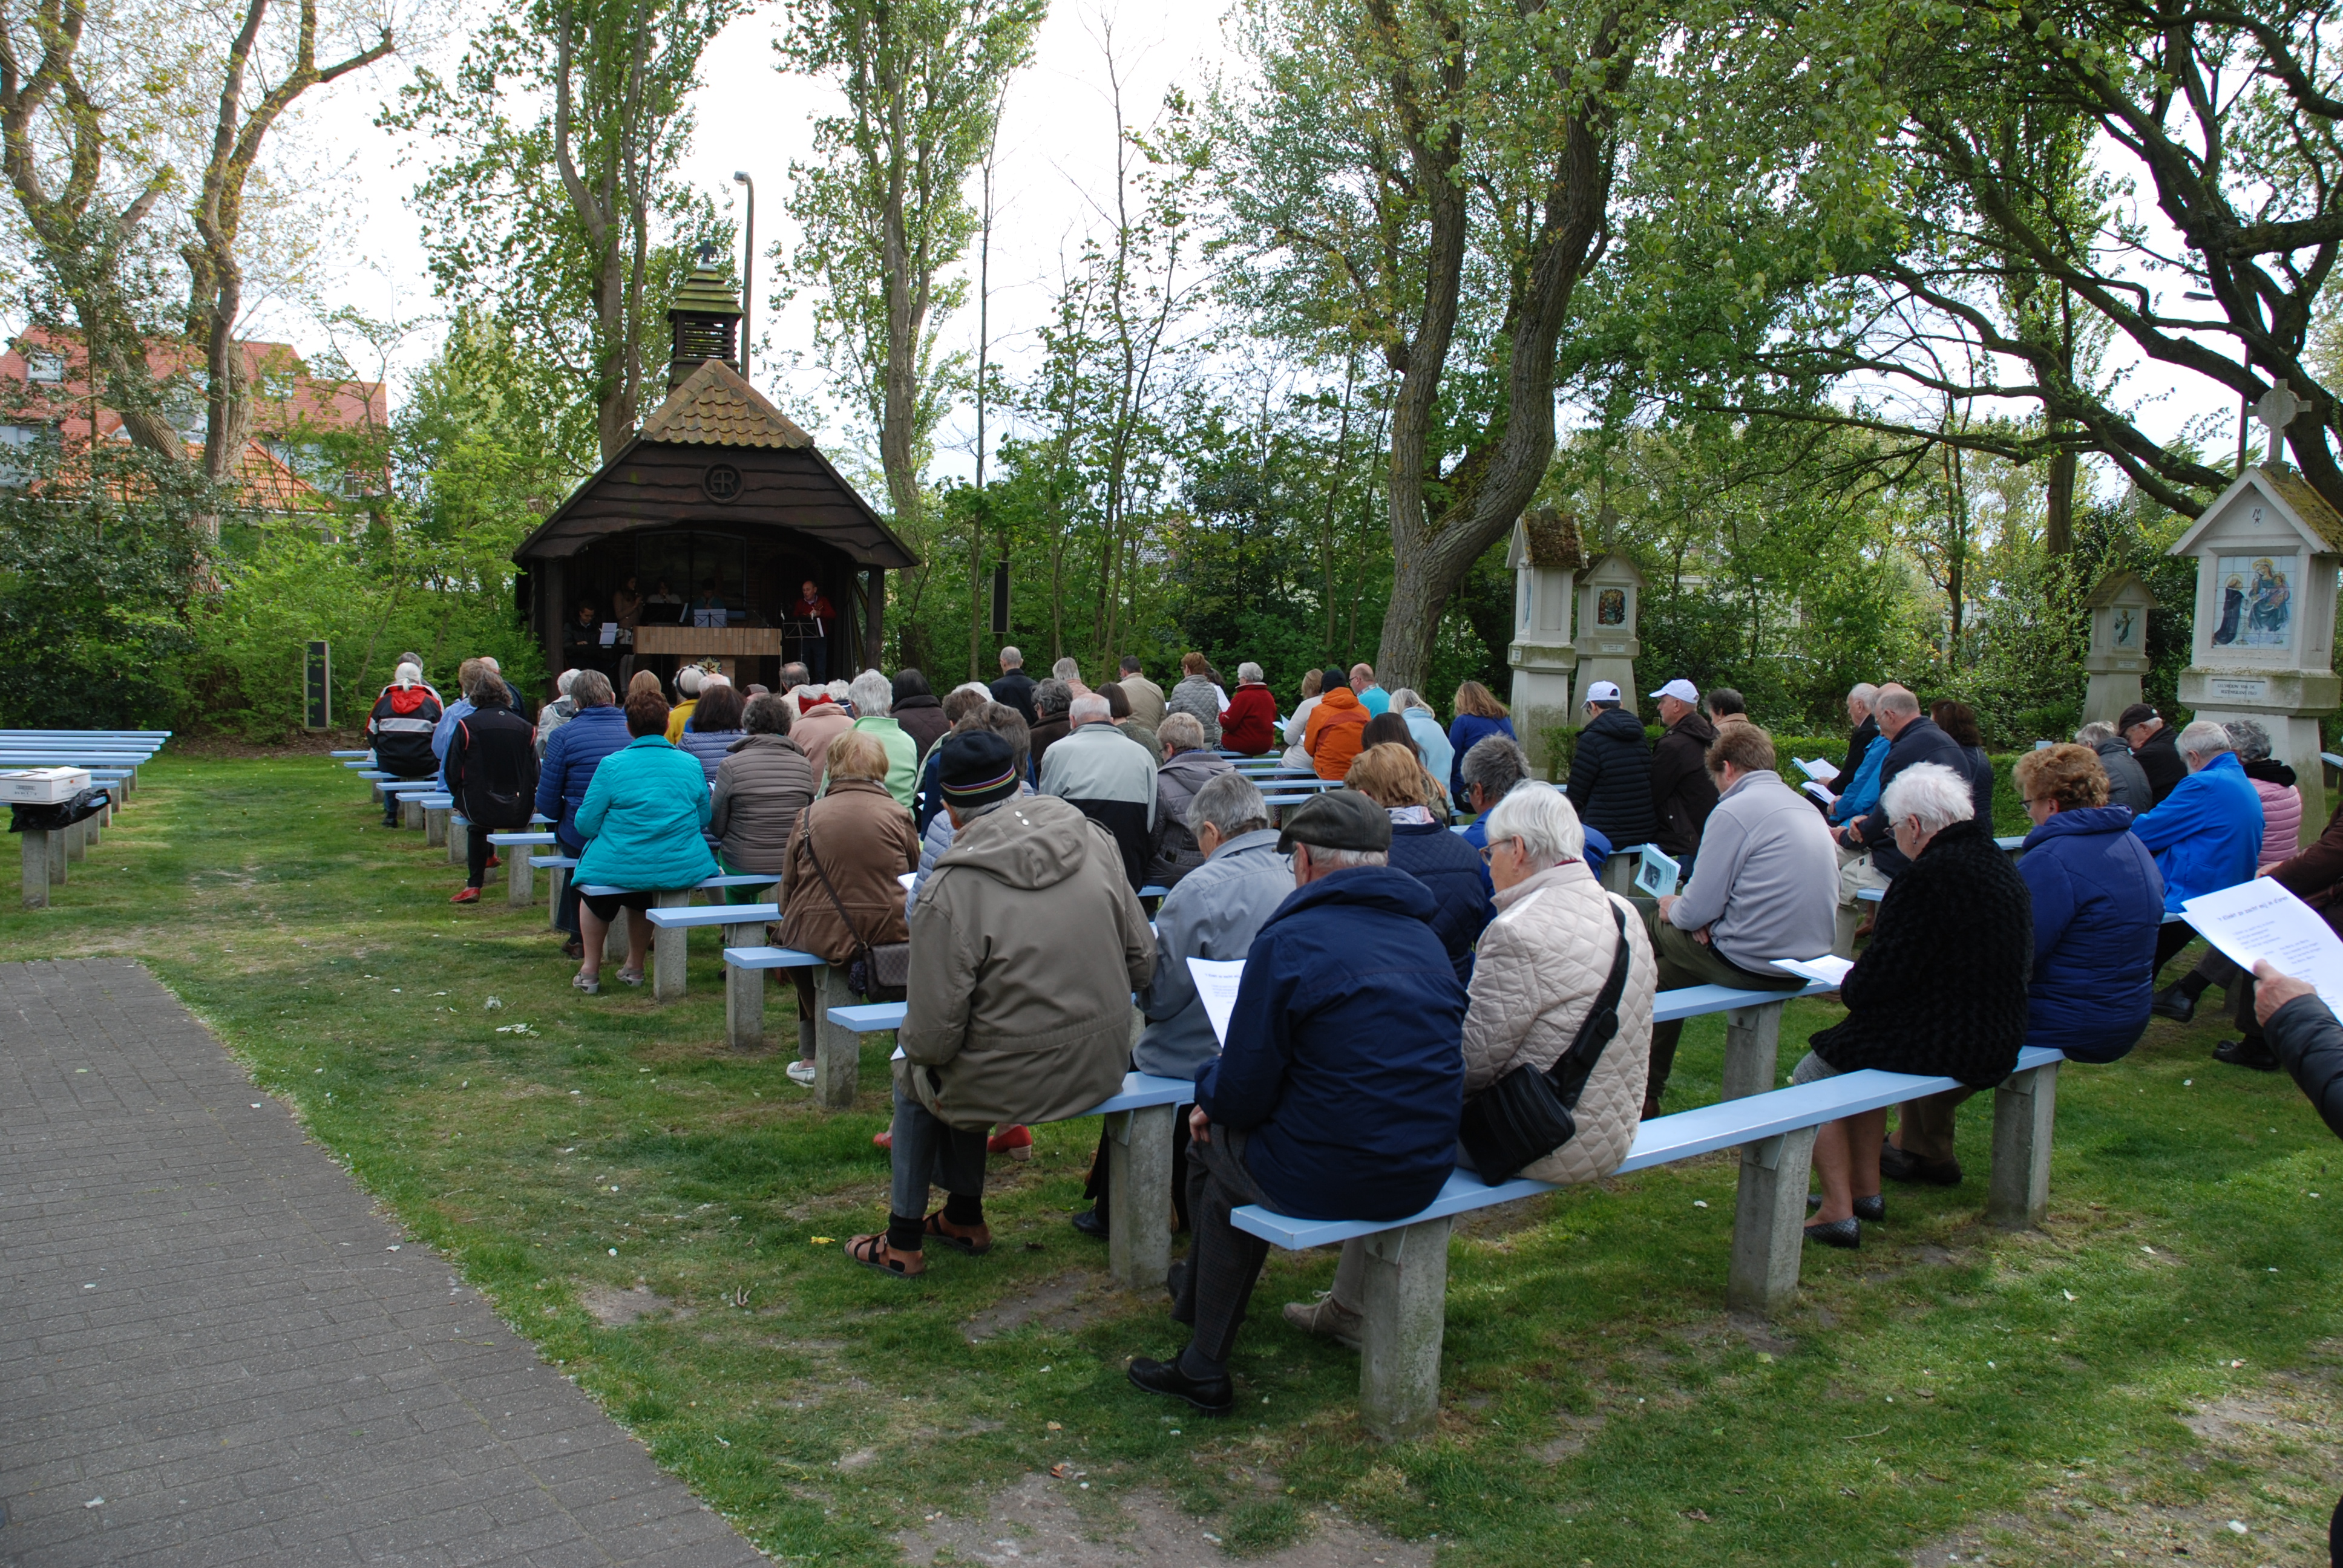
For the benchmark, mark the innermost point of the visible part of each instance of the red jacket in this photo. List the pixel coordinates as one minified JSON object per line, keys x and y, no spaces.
{"x":1250,"y":723}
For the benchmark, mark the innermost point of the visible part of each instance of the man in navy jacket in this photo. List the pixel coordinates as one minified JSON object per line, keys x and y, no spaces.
{"x":1339,"y":1088}
{"x":1913,"y":737}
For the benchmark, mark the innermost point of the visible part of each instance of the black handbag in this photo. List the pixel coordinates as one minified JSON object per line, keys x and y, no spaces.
{"x":880,"y":973}
{"x":1525,"y":1115}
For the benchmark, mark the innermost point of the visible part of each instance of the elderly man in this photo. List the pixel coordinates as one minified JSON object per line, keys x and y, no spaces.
{"x":1108,"y":778}
{"x":1015,"y":688}
{"x":1372,"y":697}
{"x":1025,"y":945}
{"x":2153,"y":745}
{"x":1765,"y":889}
{"x":1147,"y":701}
{"x":1682,"y":794}
{"x":1490,"y":770}
{"x":1611,"y":770}
{"x":2128,"y":784}
{"x":1051,"y":698}
{"x":1213,"y":912}
{"x":1913,"y":737}
{"x":1338,"y":1093}
{"x":2207,"y":832}
{"x":1863,"y":728}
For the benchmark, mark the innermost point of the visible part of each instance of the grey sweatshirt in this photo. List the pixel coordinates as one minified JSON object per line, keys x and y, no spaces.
{"x":1766,"y":882}
{"x":1214,"y":912}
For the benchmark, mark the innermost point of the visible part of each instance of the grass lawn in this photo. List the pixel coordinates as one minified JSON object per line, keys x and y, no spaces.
{"x":660,"y":1215}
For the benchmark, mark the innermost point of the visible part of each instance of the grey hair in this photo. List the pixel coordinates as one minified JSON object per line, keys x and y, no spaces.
{"x":1068,"y":670}
{"x":1052,"y":696}
{"x":2248,"y":739}
{"x":1248,"y":673}
{"x":1897,"y":699}
{"x":565,"y":681}
{"x":1496,"y":763}
{"x":2205,"y":738}
{"x":592,"y":690}
{"x":976,"y":686}
{"x":1327,"y":859}
{"x":1931,"y":793}
{"x":1862,"y":692}
{"x":872,"y":694}
{"x":1544,"y":820}
{"x":2096,"y":733}
{"x":1088,"y":708}
{"x":1230,"y":802}
{"x":768,"y":713}
{"x":1407,"y":697}
{"x":1011,"y":660}
{"x":1180,"y":732}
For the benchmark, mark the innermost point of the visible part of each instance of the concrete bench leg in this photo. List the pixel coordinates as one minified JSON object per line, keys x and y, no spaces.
{"x":557,"y":882}
{"x":76,"y":842}
{"x":668,"y":951}
{"x":1138,"y":1195}
{"x":1753,"y":1037}
{"x":614,"y":939}
{"x":92,"y":828}
{"x":434,"y":826}
{"x":411,"y":813}
{"x":837,"y":1052}
{"x":36,"y":868}
{"x":1769,"y":1222}
{"x":520,"y":877}
{"x":57,"y":858}
{"x":459,"y":837}
{"x":1406,"y":1314}
{"x":744,"y":1006}
{"x":2025,"y":1113}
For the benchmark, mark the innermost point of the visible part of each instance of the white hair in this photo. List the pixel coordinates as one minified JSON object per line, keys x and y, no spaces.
{"x":1068,"y":670}
{"x":1180,"y":732}
{"x":839,"y":691}
{"x":2098,"y":732}
{"x":1930,"y":792}
{"x":976,"y":686}
{"x":690,"y":678}
{"x":872,"y":694}
{"x":1897,"y":699}
{"x":2205,"y":738}
{"x":1543,"y":819}
{"x":1328,"y":860}
{"x":1248,"y":674}
{"x":563,"y":682}
{"x":1862,"y":692}
{"x":1088,"y":708}
{"x":406,"y":675}
{"x":1011,"y":660}
{"x":1407,"y":697}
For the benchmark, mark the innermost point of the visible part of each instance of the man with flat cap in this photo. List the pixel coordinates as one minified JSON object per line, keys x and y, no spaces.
{"x":1337,"y":1092}
{"x":1026,"y":944}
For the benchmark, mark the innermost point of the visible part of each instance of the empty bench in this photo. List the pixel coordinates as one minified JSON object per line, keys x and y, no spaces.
{"x":742,"y":925}
{"x":1405,"y":1310}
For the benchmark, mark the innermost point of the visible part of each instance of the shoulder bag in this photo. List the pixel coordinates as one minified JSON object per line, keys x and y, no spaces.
{"x":881,"y":973}
{"x":1525,"y":1115}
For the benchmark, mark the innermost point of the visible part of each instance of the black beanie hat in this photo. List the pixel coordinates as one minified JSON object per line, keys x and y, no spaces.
{"x":978,"y":768}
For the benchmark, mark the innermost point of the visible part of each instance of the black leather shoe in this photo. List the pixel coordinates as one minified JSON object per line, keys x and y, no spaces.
{"x":1090,"y":1223}
{"x":1217,"y":1397}
{"x":1874,"y":1207}
{"x":1898,"y":1166}
{"x":1846,"y":1233}
{"x":2174,"y":1003}
{"x":2252,"y":1051}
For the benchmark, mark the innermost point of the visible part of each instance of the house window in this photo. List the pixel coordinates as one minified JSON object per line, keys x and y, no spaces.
{"x":16,"y":442}
{"x":44,"y":368}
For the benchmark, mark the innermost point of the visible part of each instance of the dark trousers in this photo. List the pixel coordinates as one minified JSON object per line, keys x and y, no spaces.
{"x":929,"y":1153}
{"x":477,"y":850}
{"x":1924,"y":1127}
{"x":2169,"y":941}
{"x":565,"y":914}
{"x":1684,"y":960}
{"x":1223,"y":1262}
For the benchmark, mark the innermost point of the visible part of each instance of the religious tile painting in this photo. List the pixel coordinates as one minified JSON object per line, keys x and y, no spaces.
{"x":1611,"y":607}
{"x":2257,"y":605}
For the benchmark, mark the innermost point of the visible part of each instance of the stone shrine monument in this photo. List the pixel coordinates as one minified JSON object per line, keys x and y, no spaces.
{"x":1545,"y":555}
{"x":2117,"y":658}
{"x":1610,"y":607}
{"x":2264,"y":648}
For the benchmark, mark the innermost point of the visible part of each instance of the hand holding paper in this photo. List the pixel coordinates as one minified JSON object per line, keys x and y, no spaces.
{"x":2260,"y":920}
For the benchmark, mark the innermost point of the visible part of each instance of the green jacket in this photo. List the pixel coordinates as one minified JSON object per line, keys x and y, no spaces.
{"x":642,"y":816}
{"x":902,"y":756}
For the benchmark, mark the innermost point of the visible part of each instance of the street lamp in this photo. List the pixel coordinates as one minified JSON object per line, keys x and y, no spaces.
{"x":748,"y":266}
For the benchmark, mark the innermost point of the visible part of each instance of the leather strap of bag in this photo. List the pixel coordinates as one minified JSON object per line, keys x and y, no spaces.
{"x":861,"y":947}
{"x":1574,"y":1067}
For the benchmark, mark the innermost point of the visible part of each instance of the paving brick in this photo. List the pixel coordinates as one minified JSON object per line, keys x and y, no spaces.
{"x":254,"y":1377}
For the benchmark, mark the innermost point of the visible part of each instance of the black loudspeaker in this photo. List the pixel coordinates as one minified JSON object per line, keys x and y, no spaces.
{"x":1000,"y":599}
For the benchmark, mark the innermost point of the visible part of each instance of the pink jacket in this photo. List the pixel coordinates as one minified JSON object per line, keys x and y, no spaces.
{"x":2282,"y":823}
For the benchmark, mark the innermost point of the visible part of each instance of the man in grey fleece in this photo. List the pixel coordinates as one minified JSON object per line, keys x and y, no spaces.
{"x":1765,"y":888}
{"x":1108,"y":778}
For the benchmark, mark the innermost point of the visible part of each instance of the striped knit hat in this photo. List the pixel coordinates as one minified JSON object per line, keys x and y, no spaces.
{"x":978,"y":768}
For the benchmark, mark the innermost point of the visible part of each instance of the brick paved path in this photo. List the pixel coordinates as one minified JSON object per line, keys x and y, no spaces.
{"x":202,"y":1322}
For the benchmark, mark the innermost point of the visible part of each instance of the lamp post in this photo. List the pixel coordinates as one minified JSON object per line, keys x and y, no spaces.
{"x":748,"y":265}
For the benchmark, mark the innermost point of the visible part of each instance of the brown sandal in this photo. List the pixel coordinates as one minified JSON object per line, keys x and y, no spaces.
{"x":872,"y":1252}
{"x":969,"y":1244}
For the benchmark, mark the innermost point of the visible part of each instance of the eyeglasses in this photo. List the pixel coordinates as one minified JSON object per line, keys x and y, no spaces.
{"x":1488,"y":852}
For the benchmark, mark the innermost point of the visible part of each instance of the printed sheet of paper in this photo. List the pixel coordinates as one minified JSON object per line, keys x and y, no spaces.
{"x":2260,"y":919}
{"x":1830,"y":968}
{"x":1821,"y":794}
{"x":1216,"y":986}
{"x":907,"y":881}
{"x":1820,"y":771}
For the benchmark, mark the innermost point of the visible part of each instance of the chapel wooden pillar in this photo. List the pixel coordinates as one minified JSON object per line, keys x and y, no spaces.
{"x":874,"y":617}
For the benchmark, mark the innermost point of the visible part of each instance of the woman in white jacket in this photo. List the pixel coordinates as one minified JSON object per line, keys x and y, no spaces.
{"x":1540,"y":965}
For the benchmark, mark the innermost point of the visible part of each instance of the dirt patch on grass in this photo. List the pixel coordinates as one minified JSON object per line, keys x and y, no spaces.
{"x":1066,"y":1304}
{"x":1577,"y":1432}
{"x":1049,"y":1522}
{"x":615,"y":1309}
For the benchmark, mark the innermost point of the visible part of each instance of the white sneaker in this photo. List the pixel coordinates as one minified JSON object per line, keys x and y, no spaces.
{"x":801,"y":1072}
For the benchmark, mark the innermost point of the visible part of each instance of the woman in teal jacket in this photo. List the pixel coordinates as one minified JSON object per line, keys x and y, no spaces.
{"x":641,"y":819}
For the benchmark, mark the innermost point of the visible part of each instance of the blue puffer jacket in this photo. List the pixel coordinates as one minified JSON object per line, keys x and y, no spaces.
{"x":1450,"y":869}
{"x":571,"y":756}
{"x":642,"y":818}
{"x":1344,"y":1062}
{"x":2207,"y":833}
{"x":2098,"y":901}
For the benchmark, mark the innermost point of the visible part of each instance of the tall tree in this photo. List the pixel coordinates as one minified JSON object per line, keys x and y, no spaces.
{"x":571,"y":225}
{"x":883,"y":208}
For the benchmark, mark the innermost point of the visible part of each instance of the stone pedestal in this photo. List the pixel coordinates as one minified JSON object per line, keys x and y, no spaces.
{"x":2117,"y":658}
{"x":1545,"y":557}
{"x":1610,"y":607}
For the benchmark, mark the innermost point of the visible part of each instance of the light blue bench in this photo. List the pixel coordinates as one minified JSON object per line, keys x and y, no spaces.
{"x":557,"y":868}
{"x":520,"y":881}
{"x":742,"y":925}
{"x":1406,"y":1285}
{"x":745,"y":969}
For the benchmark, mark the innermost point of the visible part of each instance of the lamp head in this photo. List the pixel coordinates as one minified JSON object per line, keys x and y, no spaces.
{"x":740,"y":176}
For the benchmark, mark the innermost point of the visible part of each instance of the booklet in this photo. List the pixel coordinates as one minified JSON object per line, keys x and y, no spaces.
{"x":1216,"y":986}
{"x":2260,"y":919}
{"x":1656,"y":872}
{"x":1830,"y":968}
{"x":1821,"y":794}
{"x":1820,"y":771}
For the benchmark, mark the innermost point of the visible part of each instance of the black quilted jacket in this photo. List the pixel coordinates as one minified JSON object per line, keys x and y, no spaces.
{"x":1941,"y":990}
{"x":1611,"y":779}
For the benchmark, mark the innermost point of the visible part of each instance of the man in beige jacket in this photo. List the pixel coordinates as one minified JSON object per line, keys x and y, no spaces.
{"x":1026,"y":945}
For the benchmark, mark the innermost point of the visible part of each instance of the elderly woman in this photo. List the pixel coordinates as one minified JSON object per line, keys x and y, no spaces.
{"x":1249,"y":724}
{"x":1298,"y":725}
{"x":1431,"y":742}
{"x":763,"y":782}
{"x":1543,"y":960}
{"x":558,"y":712}
{"x":917,"y":711}
{"x":839,"y":894}
{"x":2098,"y":901}
{"x":873,"y":695}
{"x":820,"y":721}
{"x":1187,"y":768}
{"x":1390,"y":776}
{"x":1940,"y":990}
{"x":641,"y":819}
{"x":715,"y":725}
{"x":1195,"y":695}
